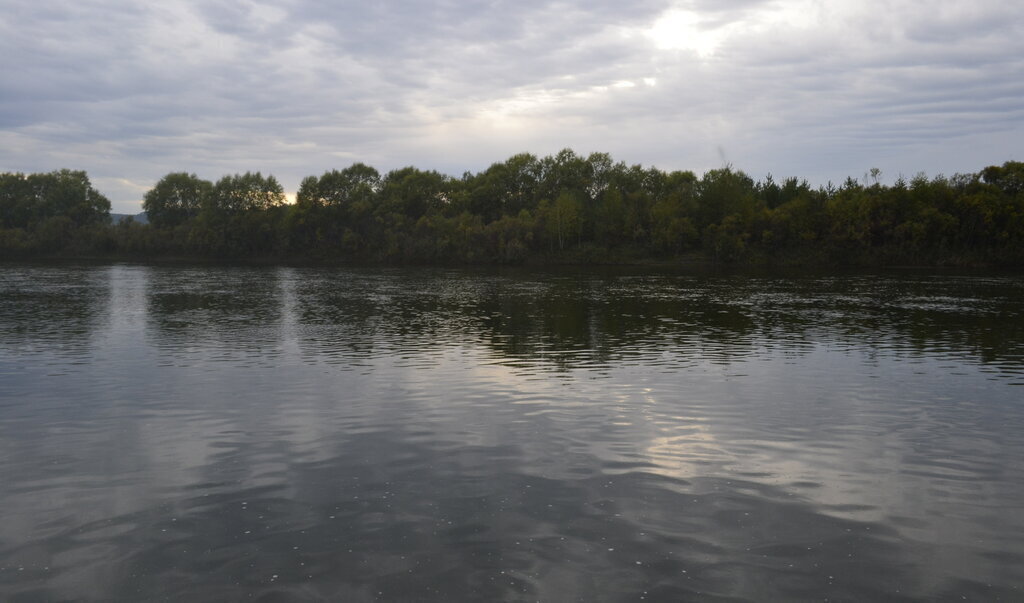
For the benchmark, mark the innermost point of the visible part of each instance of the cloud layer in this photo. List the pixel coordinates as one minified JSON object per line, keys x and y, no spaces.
{"x":130,"y":91}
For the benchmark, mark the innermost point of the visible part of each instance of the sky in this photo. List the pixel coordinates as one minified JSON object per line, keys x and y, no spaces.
{"x":130,"y":91}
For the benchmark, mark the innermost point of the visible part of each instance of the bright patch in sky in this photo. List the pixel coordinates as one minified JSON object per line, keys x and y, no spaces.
{"x":684,"y":30}
{"x":681,"y":29}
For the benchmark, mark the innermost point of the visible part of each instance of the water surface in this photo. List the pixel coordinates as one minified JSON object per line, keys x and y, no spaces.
{"x":237,"y":433}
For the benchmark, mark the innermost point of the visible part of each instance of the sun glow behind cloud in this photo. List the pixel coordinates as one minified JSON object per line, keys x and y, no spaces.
{"x":705,"y":35}
{"x":685,"y":30}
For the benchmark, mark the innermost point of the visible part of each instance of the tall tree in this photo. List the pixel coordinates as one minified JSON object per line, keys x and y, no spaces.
{"x":68,"y":193}
{"x":412,"y":192}
{"x":358,"y":182}
{"x":246,"y":192}
{"x":17,"y":207}
{"x":177,"y":197}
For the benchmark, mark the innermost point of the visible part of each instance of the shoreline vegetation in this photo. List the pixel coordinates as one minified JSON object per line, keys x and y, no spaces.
{"x":560,"y":209}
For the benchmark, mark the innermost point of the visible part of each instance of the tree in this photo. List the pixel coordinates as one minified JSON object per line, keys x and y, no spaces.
{"x":1009,"y":178}
{"x":566,"y":172}
{"x":523,"y":173}
{"x":724,"y":192}
{"x":673,"y":213}
{"x":68,"y":193}
{"x":599,"y":171}
{"x":176,"y":198}
{"x":412,"y":192}
{"x":16,"y":203}
{"x":358,"y":182}
{"x":565,"y":218}
{"x":54,"y":211}
{"x":246,"y":192}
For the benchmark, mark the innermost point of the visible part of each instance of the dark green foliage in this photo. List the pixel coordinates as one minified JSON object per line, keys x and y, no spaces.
{"x":244,"y":193}
{"x":28,"y":201}
{"x":562,"y":208}
{"x":358,"y":182}
{"x":51,"y":212}
{"x":176,"y":198}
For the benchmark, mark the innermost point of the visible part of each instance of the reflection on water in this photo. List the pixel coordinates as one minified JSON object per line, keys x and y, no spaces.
{"x":237,"y":316}
{"x":51,"y":312}
{"x":352,"y":434}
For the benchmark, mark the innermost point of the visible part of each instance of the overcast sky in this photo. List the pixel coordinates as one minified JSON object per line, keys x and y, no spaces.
{"x":130,"y":91}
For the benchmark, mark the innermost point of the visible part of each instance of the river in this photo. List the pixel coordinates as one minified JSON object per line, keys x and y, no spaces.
{"x":292,"y":433}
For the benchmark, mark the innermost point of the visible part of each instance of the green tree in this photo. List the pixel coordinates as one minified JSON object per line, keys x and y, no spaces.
{"x":724,"y":192}
{"x":246,"y":192}
{"x":68,"y":193}
{"x":565,"y":219}
{"x":358,"y":182}
{"x":17,"y":205}
{"x":176,"y":198}
{"x":412,"y":192}
{"x":242,"y":216}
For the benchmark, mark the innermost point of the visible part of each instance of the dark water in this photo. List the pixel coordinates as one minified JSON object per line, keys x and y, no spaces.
{"x":270,"y":434}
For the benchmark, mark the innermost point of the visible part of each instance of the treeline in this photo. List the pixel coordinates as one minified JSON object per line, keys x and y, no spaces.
{"x":55,"y":212}
{"x":560,"y":208}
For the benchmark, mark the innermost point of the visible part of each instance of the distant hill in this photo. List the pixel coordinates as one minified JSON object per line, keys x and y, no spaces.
{"x":140,"y":217}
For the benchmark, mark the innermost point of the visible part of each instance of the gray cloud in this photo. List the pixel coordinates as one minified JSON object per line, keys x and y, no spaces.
{"x":822,"y":90}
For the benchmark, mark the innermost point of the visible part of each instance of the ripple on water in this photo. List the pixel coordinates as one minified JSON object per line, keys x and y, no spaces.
{"x":226,"y":433}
